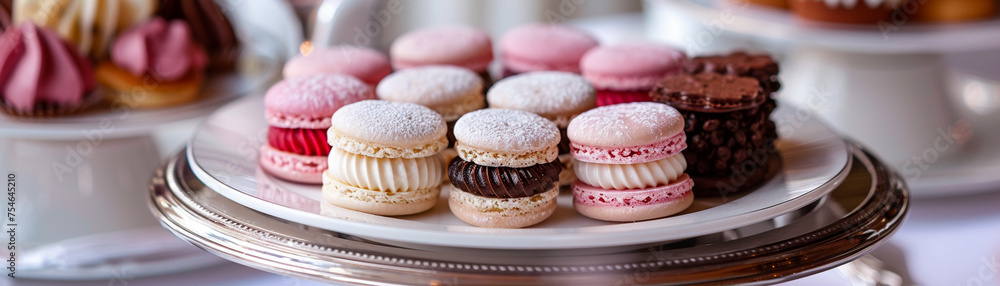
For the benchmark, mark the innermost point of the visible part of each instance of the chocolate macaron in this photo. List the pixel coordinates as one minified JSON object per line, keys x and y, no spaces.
{"x":506,"y":174}
{"x":727,"y":126}
{"x":557,"y":96}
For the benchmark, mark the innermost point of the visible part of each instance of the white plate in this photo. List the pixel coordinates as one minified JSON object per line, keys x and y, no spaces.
{"x":223,"y":154}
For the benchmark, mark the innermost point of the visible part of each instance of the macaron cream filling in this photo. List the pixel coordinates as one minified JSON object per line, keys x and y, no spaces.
{"x":503,"y":182}
{"x":632,"y":176}
{"x":385,"y":174}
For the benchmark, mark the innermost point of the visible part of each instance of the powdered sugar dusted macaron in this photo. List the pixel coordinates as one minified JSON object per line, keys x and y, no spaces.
{"x":449,"y":90}
{"x":628,"y":162}
{"x":462,"y":46}
{"x":385,"y":158}
{"x":506,"y":174}
{"x":557,"y":96}
{"x":626,"y":72}
{"x":366,"y":64}
{"x":544,"y":47}
{"x":298,"y":111}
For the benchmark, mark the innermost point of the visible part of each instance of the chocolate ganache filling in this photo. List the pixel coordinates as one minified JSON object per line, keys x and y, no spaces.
{"x":503,"y":182}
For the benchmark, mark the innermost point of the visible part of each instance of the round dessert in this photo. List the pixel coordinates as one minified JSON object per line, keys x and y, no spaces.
{"x":462,"y":46}
{"x":557,"y":96}
{"x":953,"y":11}
{"x":845,"y":11}
{"x":42,"y":75}
{"x":506,"y":173}
{"x":544,"y":47}
{"x":449,"y":90}
{"x":628,"y":162}
{"x":385,"y":158}
{"x":298,"y":111}
{"x":154,"y":65}
{"x":626,"y":72}
{"x":210,"y":27}
{"x":366,"y":64}
{"x":730,"y":136}
{"x":761,"y":67}
{"x":90,"y":25}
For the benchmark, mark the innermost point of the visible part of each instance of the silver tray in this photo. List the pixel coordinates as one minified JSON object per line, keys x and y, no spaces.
{"x":855,"y":218}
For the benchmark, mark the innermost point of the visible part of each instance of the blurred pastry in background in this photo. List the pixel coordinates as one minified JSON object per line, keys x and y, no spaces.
{"x":781,"y":4}
{"x":41,"y":74}
{"x":462,"y":46}
{"x":846,"y":11}
{"x":5,"y":18}
{"x":366,"y":64}
{"x":90,"y":25}
{"x":544,"y":47}
{"x":156,"y":64}
{"x":626,"y":72}
{"x":951,"y":11}
{"x":209,"y":25}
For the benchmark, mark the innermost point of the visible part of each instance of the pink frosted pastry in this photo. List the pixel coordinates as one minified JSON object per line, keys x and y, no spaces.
{"x":462,"y":46}
{"x":41,"y":74}
{"x":298,"y":111}
{"x":366,"y":64}
{"x":544,"y":47}
{"x":627,"y":72}
{"x":628,"y":162}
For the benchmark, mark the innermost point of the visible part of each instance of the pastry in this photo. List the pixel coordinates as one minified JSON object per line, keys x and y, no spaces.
{"x":761,"y":67}
{"x":506,"y":174}
{"x":385,"y":158}
{"x":298,"y":111}
{"x":154,"y":65}
{"x":544,"y":47}
{"x":449,"y":90}
{"x":846,"y":11}
{"x":5,"y":17}
{"x":628,"y":162}
{"x":210,"y":27}
{"x":41,"y":74}
{"x":366,"y":64}
{"x":462,"y":46}
{"x":729,"y":132}
{"x":952,"y":11}
{"x":626,"y":72}
{"x":780,"y":4}
{"x":557,"y":96}
{"x":91,"y":25}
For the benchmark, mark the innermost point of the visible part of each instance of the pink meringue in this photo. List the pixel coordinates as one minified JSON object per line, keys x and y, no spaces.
{"x":37,"y":67}
{"x":164,"y":50}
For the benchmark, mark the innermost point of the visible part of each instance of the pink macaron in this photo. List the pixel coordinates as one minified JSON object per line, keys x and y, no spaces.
{"x":298,"y":111}
{"x":628,"y":162}
{"x":366,"y":64}
{"x":544,"y":47}
{"x":462,"y":46}
{"x":627,"y":72}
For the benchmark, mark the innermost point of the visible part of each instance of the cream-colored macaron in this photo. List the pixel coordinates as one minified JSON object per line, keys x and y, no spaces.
{"x":506,"y":138}
{"x":385,"y":129}
{"x":449,"y":90}
{"x":557,"y":96}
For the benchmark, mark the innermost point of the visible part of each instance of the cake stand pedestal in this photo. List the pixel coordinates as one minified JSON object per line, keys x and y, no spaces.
{"x":79,"y":180}
{"x":885,"y":87}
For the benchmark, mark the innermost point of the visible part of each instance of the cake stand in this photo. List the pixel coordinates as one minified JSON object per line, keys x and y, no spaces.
{"x":883,"y":86}
{"x":852,"y":220}
{"x":79,"y":181}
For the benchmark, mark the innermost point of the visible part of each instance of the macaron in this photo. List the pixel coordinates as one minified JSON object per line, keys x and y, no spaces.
{"x":730,"y":134}
{"x":385,"y":158}
{"x":506,"y":173}
{"x":626,"y":72}
{"x":544,"y":47}
{"x":298,"y":111}
{"x":366,"y":64}
{"x":629,"y":165}
{"x":759,"y":66}
{"x":557,"y":96}
{"x":462,"y":46}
